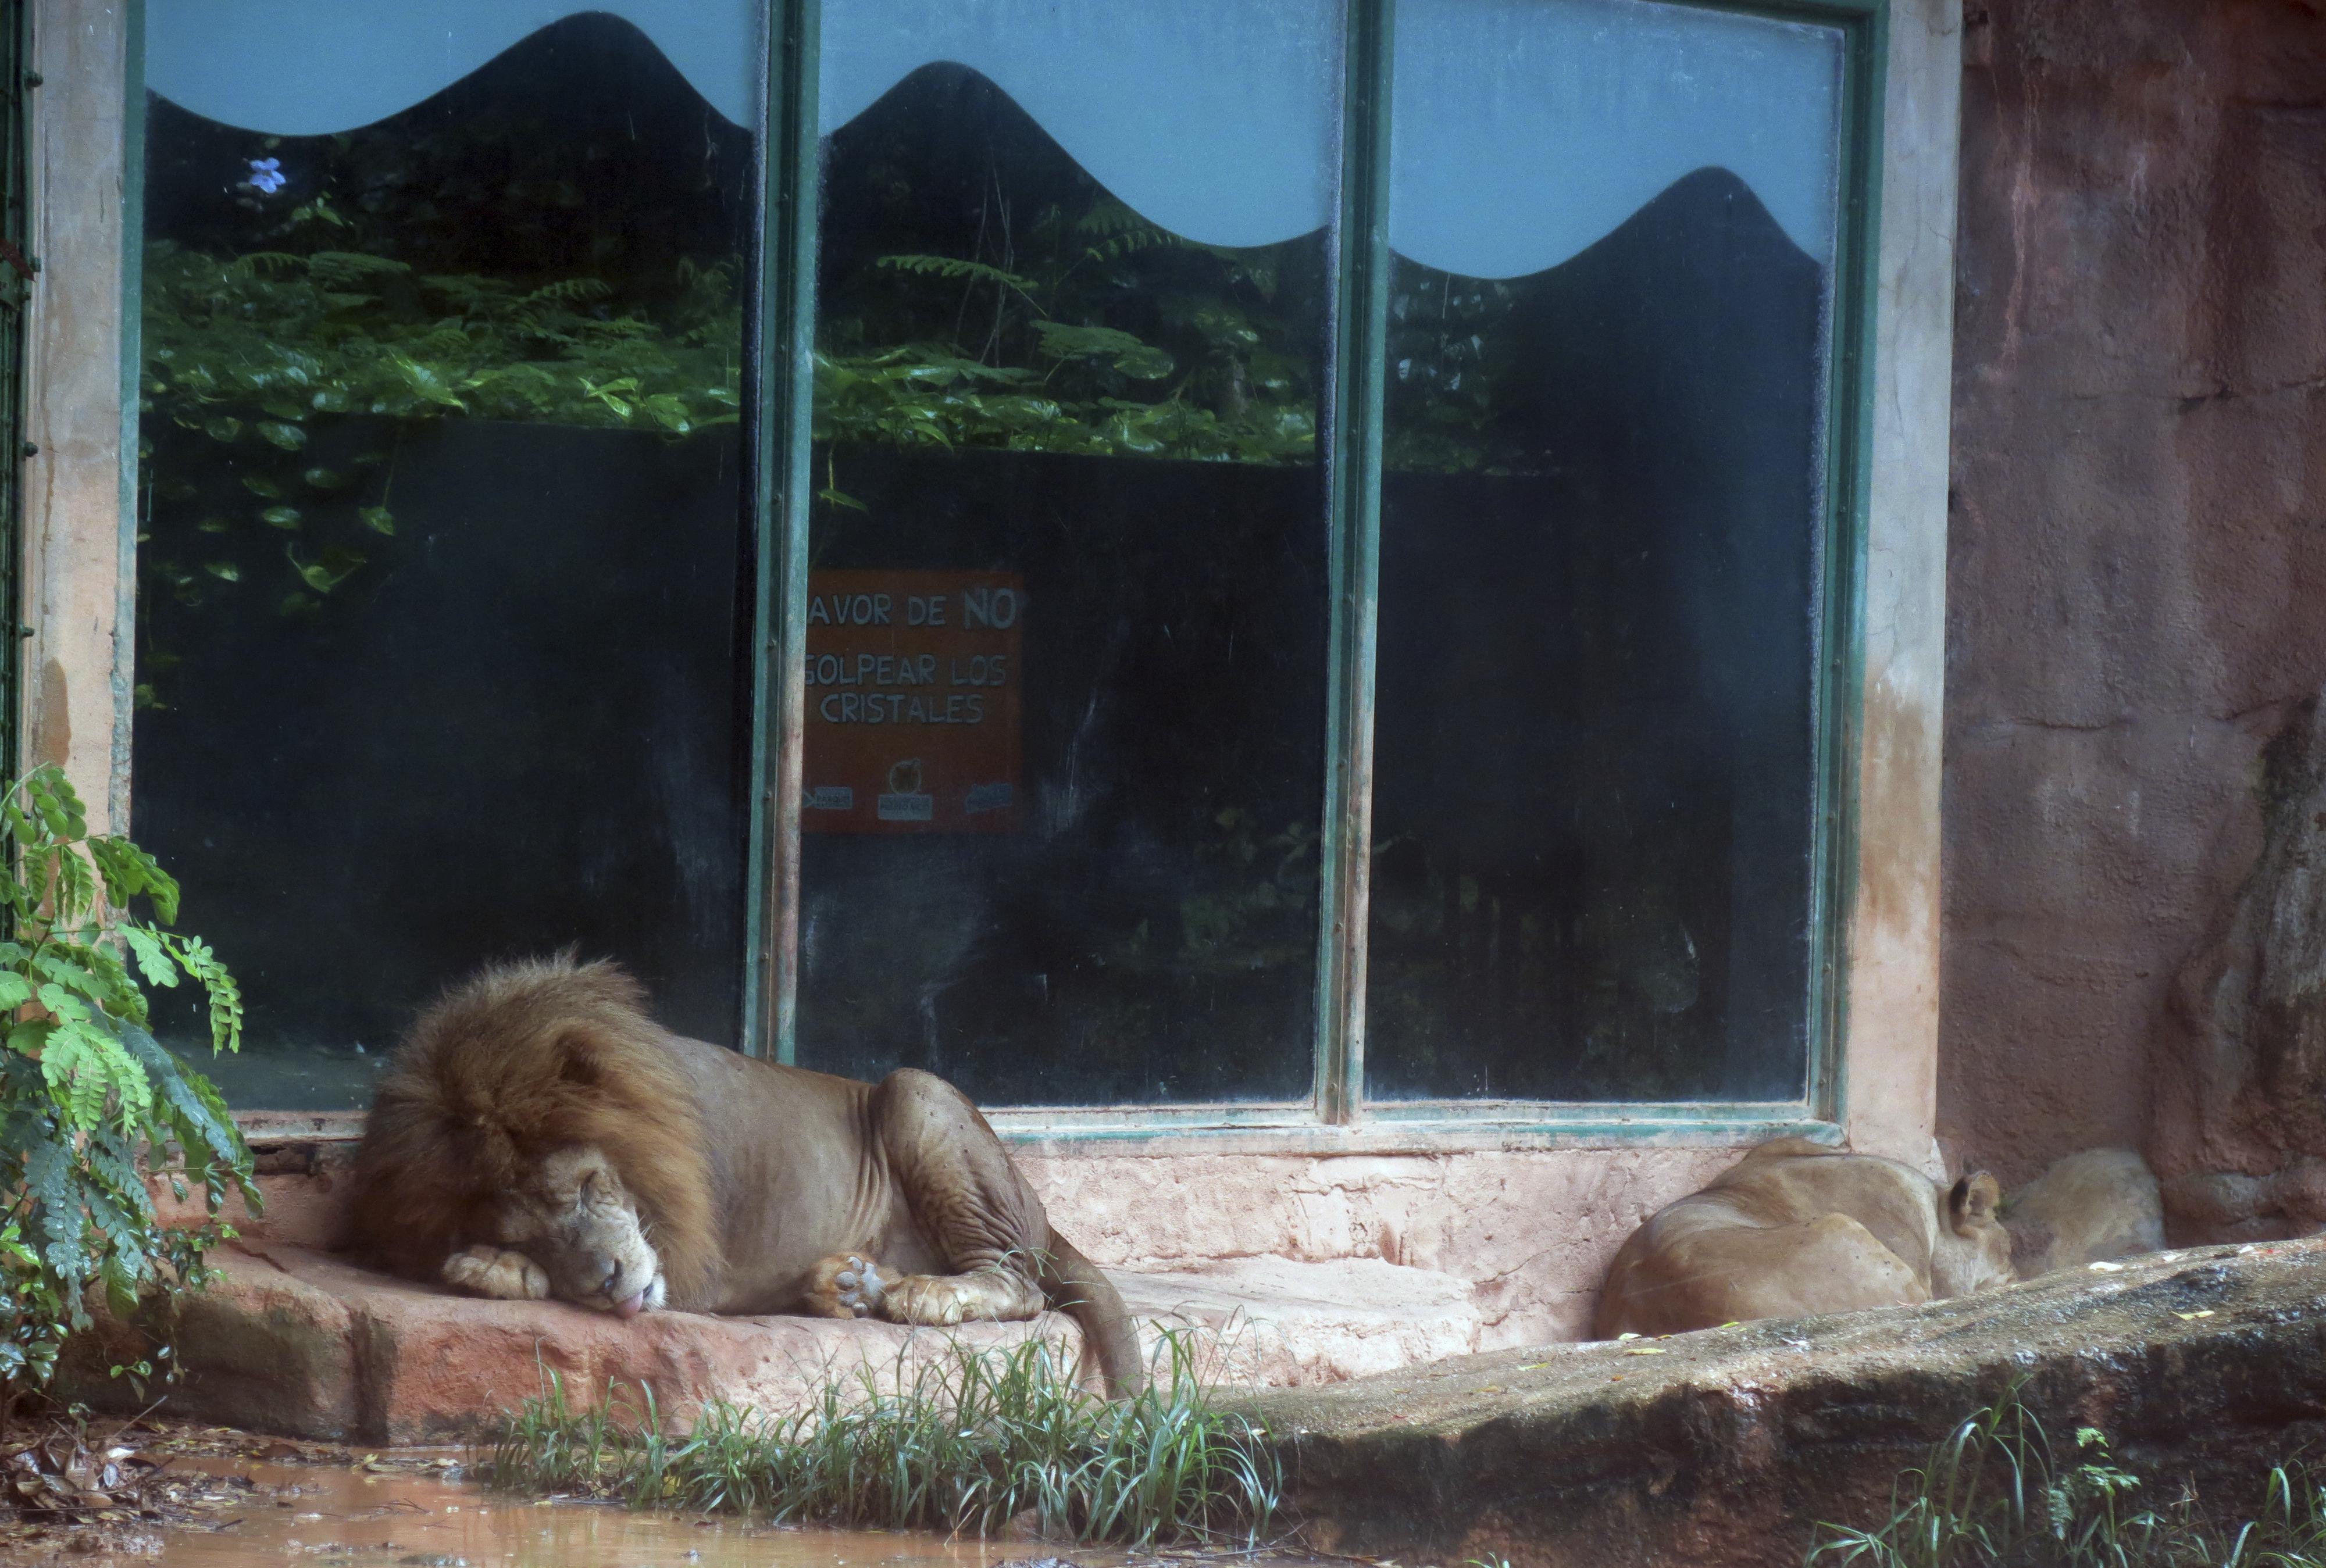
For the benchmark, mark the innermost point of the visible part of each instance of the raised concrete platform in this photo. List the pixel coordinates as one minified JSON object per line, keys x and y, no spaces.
{"x":1727,"y":1447}
{"x":297,"y":1342}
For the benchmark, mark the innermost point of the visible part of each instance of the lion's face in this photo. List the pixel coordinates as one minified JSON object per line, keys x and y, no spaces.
{"x":575,"y":1219}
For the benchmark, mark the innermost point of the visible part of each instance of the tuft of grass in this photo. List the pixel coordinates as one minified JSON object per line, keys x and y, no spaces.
{"x":1995,"y":1491}
{"x":966,"y":1443}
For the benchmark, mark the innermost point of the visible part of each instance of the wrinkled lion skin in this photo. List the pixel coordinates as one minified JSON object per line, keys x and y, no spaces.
{"x":1796,"y":1229}
{"x":539,"y":1136}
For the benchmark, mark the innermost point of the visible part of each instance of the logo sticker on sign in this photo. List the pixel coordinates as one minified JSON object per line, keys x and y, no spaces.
{"x":913,"y":683}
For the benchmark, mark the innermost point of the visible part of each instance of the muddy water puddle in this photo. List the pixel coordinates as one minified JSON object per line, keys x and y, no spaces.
{"x":289,"y":1516}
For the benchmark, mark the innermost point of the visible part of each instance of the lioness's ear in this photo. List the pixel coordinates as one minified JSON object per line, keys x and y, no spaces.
{"x":1974,"y":1200}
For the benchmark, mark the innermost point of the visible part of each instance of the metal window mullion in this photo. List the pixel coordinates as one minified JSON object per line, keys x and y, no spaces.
{"x":1352,"y":431}
{"x":1849,"y":454}
{"x":783,"y":365}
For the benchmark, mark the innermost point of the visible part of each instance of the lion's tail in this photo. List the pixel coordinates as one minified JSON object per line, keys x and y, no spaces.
{"x":1075,"y":1286}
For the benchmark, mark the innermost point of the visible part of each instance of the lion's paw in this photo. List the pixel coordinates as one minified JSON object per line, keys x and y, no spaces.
{"x":495,"y":1272}
{"x":847,"y":1284}
{"x":933,"y":1300}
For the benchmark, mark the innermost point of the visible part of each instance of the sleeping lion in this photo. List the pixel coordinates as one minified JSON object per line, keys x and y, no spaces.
{"x":1796,"y":1229}
{"x":538,"y":1136}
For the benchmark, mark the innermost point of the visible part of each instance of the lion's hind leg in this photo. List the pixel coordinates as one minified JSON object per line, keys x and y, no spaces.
{"x":971,"y":1207}
{"x":497,"y":1273}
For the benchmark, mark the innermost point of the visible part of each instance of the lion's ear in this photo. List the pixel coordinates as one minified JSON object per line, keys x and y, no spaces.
{"x":1974,"y":1201}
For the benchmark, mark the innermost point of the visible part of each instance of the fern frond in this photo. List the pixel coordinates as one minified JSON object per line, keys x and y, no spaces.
{"x":957,"y":269}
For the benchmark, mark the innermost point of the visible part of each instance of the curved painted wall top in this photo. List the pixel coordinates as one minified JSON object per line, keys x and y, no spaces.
{"x":306,"y":68}
{"x":1523,"y":130}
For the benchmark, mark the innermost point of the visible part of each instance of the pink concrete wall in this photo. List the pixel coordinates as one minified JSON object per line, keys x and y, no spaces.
{"x":2137,"y":583}
{"x":1531,"y":1230}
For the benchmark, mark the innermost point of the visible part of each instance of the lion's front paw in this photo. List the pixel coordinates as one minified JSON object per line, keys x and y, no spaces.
{"x":492,"y":1271}
{"x":847,"y":1285}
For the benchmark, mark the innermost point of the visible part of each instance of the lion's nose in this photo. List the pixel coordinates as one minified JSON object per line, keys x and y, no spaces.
{"x":613,"y":1273}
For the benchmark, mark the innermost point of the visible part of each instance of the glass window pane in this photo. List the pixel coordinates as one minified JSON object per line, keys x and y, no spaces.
{"x":1067,"y":639}
{"x":1601,"y":552}
{"x":440,"y":646}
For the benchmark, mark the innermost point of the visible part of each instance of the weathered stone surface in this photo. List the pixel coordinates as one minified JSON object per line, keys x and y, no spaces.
{"x":1285,"y":1324}
{"x":2135,"y":562}
{"x":2249,"y":1103}
{"x":1726,"y":1447}
{"x":297,"y":1342}
{"x":1531,"y":1229}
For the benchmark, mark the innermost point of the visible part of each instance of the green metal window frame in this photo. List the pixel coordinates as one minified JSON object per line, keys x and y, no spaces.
{"x":780,"y":324}
{"x":17,"y":269}
{"x":782,"y":334}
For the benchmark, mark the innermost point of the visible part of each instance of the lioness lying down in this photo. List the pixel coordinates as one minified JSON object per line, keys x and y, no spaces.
{"x":1795,"y":1229}
{"x":2090,"y":1207}
{"x":538,"y":1136}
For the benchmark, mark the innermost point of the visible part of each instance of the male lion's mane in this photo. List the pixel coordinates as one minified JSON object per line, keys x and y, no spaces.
{"x":522,"y":1060}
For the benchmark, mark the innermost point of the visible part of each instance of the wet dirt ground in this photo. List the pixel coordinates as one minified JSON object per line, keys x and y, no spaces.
{"x":215,"y":1500}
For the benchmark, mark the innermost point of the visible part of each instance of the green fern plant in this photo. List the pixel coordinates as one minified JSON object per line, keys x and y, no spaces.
{"x":91,"y":1107}
{"x":957,"y":269}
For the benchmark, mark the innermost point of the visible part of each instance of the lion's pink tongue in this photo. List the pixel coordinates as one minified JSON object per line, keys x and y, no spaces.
{"x":631,"y":1308}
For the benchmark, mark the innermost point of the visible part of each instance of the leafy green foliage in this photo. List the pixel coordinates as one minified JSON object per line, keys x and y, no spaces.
{"x":254,"y":355}
{"x":965,"y":1443}
{"x":1254,"y":908}
{"x":1993,"y":1491}
{"x":90,"y":1106}
{"x":1450,"y":364}
{"x":1089,"y":332}
{"x":261,"y":343}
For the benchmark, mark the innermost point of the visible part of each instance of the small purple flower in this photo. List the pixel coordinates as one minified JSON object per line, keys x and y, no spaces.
{"x":266,"y":173}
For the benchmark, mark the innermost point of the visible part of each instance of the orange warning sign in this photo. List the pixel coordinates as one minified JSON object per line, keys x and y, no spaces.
{"x":913,"y":683}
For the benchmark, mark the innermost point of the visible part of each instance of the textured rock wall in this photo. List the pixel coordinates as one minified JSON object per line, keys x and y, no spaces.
{"x":2136,"y":584}
{"x":2243,"y":1113}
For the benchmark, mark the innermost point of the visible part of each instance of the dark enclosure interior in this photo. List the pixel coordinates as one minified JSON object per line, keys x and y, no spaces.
{"x":1594,"y":733}
{"x":1148,"y":933}
{"x":439,"y":640}
{"x":445,"y":550}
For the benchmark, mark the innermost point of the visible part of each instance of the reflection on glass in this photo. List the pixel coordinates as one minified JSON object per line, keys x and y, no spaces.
{"x":1067,"y":630}
{"x":1600,"y":553}
{"x":442,"y":508}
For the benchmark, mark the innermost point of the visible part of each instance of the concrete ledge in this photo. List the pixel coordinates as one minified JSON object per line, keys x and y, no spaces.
{"x":297,"y":1342}
{"x":1727,"y":1447}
